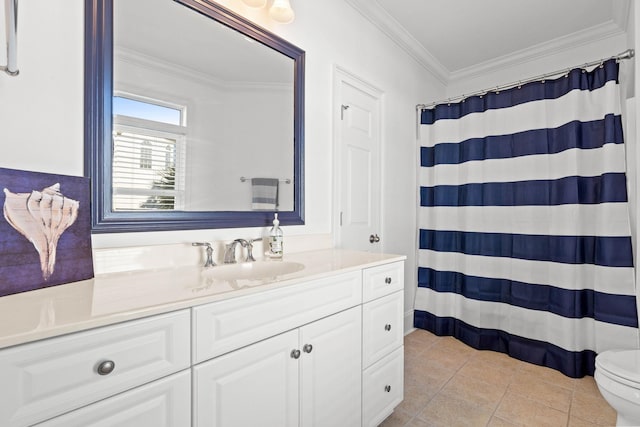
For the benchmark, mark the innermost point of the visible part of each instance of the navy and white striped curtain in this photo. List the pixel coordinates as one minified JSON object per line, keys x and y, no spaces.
{"x":524,"y":235}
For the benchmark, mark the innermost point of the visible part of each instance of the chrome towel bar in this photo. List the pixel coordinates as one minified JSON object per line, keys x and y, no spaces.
{"x":11,"y":19}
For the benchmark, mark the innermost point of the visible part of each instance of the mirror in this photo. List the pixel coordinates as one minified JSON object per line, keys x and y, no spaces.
{"x":194,"y":118}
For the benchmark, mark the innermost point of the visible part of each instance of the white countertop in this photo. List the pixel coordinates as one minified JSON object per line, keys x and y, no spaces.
{"x":116,"y":297}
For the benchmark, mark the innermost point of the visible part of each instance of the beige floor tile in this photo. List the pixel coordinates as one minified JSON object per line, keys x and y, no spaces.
{"x":421,"y":338}
{"x":577,"y":422}
{"x":412,"y":348}
{"x":447,"y":383}
{"x":487,"y":372}
{"x":398,"y":418}
{"x":416,"y":396}
{"x":474,"y":391}
{"x":456,"y":345}
{"x":527,"y":385}
{"x":587,"y":385}
{"x":549,"y":375}
{"x":432,"y":375}
{"x":592,"y":408}
{"x":497,"y":359}
{"x":499,"y":422}
{"x":448,"y":411}
{"x":521,"y":410}
{"x":446,"y":357}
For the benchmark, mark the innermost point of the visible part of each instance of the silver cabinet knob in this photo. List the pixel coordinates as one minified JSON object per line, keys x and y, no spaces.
{"x":387,"y":388}
{"x":387,"y":327}
{"x":307,"y":348}
{"x":106,"y":367}
{"x":374,"y":238}
{"x":387,"y":280}
{"x":295,"y":354}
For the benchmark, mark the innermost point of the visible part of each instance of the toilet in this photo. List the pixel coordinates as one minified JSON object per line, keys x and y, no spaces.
{"x":618,"y":377}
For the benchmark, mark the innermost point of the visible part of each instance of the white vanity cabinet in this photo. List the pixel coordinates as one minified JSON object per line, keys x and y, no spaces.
{"x":323,"y":349}
{"x":310,"y":354}
{"x":309,"y":376}
{"x":382,"y":341}
{"x":45,"y":379}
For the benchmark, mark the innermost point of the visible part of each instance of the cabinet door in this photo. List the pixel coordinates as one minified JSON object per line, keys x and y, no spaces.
{"x":331,"y":370}
{"x":162,"y":403}
{"x":382,"y":328}
{"x":254,"y":386}
{"x":382,"y":384}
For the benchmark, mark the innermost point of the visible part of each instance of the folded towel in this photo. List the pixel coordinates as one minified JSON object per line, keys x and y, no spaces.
{"x":264,"y":194}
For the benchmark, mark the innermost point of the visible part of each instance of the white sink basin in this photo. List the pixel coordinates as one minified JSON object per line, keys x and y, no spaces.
{"x":259,"y":270}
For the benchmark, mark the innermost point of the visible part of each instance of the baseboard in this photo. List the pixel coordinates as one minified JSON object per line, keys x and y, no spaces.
{"x":408,"y":322}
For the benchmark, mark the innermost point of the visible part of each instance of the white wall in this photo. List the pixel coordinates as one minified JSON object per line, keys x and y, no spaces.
{"x":41,"y":113}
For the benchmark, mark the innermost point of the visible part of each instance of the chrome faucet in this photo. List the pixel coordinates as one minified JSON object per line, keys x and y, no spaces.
{"x":209,"y":262}
{"x":230,"y":250}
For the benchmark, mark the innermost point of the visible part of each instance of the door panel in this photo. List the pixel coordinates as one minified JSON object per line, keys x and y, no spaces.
{"x":358,"y":165}
{"x":254,"y":386}
{"x":331,"y":370}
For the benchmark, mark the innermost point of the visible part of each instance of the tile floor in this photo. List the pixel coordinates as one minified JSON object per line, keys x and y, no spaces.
{"x":448,"y":383}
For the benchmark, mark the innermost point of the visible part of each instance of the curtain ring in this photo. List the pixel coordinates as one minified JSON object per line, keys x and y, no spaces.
{"x":519,"y":85}
{"x":602,"y":65}
{"x":497,"y":90}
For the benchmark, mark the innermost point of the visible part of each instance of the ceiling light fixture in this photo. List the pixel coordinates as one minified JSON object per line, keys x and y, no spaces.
{"x":279,"y":11}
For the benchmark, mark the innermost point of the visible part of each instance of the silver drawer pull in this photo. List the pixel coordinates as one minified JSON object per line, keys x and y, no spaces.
{"x":106,"y":367}
{"x":307,"y":348}
{"x":387,"y":327}
{"x":387,"y":388}
{"x":295,"y":354}
{"x":387,"y":280}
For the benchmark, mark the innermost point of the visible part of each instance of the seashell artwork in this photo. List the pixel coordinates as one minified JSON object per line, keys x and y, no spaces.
{"x":41,"y":217}
{"x":45,"y":232}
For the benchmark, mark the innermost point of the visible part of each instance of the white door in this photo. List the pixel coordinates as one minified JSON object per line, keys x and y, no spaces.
{"x":331,"y":371}
{"x":254,"y":386}
{"x":358,"y":166}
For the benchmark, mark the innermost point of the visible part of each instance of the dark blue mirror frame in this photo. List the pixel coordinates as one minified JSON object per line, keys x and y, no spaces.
{"x":98,"y":128}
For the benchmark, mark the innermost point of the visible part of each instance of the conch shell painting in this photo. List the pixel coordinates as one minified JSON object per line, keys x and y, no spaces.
{"x":41,"y":217}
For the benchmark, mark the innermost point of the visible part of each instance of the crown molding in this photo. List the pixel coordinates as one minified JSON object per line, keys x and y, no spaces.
{"x":375,"y":14}
{"x":558,"y":45}
{"x":168,"y":68}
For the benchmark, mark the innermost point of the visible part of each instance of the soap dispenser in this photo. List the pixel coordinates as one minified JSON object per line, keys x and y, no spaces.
{"x":275,"y":239}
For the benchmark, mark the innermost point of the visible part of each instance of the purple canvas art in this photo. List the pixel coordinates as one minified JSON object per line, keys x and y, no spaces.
{"x":45,"y":230}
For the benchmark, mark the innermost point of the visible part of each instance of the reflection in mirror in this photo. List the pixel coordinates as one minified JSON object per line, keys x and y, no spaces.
{"x":205,"y":118}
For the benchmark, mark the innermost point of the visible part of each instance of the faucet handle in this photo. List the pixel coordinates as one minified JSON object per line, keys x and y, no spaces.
{"x":250,"y":257}
{"x":209,"y":262}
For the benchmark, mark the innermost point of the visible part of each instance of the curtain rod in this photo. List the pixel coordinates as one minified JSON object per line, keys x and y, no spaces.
{"x":627,"y":54}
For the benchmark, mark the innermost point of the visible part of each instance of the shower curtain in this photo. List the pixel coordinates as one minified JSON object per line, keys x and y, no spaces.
{"x":524,"y":237}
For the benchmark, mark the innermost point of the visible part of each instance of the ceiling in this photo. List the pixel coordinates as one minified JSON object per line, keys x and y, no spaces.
{"x":454,"y":38}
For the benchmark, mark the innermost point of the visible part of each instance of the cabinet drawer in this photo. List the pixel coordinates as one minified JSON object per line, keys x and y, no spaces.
{"x":224,"y":326}
{"x":47,"y":378}
{"x":382,"y":280}
{"x":382,"y":388}
{"x":164,"y":402}
{"x":382,"y":327}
